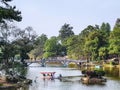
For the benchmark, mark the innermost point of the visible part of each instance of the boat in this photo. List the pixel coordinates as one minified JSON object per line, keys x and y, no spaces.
{"x":48,"y":75}
{"x":93,"y":77}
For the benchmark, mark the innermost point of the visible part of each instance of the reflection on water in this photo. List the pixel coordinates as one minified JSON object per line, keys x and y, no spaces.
{"x":70,"y":84}
{"x":113,"y":72}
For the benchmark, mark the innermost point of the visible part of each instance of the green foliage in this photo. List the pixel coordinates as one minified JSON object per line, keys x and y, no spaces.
{"x":49,"y":54}
{"x":41,"y":40}
{"x":114,"y":47}
{"x":92,"y":43}
{"x":51,"y":47}
{"x":65,"y":32}
{"x":9,"y":13}
{"x":51,"y":44}
{"x":100,"y":72}
{"x":72,"y":65}
{"x":97,"y":72}
{"x":103,"y":51}
{"x":105,"y":28}
{"x":38,"y":51}
{"x":73,"y":49}
{"x":21,"y":44}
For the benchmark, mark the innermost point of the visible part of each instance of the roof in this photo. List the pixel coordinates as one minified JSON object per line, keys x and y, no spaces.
{"x":47,"y":72}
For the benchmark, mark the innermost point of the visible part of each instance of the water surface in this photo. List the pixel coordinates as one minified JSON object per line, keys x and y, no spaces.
{"x":71,"y":84}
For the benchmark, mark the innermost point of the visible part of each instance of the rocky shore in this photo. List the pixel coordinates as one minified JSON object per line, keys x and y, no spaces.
{"x":8,"y":83}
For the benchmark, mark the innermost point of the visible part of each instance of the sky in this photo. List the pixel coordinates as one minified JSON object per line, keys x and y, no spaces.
{"x":48,"y":16}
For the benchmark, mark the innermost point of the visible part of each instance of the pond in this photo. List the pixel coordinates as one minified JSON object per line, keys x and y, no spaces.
{"x":73,"y":83}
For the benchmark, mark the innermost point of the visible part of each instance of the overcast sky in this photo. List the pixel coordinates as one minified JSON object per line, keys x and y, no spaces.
{"x":47,"y":16}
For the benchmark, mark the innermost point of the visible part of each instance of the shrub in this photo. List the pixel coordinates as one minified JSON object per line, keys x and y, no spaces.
{"x":72,"y":65}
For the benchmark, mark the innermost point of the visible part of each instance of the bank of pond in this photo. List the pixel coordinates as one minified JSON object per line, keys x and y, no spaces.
{"x":13,"y":82}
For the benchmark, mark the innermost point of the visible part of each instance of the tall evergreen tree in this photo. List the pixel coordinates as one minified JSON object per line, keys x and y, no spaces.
{"x":65,"y":32}
{"x":8,"y":12}
{"x":114,"y":41}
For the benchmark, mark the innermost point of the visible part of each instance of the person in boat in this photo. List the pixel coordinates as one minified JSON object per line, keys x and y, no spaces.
{"x":60,"y":77}
{"x":48,"y":75}
{"x":44,"y":75}
{"x":52,"y":76}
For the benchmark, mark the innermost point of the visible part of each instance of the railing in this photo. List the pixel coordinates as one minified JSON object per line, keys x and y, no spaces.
{"x":54,"y":60}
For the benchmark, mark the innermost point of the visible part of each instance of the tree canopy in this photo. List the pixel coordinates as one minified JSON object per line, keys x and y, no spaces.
{"x":8,"y":12}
